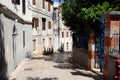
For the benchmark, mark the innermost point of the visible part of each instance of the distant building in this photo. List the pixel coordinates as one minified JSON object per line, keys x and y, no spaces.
{"x":42,"y":11}
{"x":15,"y":34}
{"x":62,"y":34}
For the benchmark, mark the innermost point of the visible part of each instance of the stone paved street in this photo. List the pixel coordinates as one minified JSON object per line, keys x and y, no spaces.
{"x":45,"y":68}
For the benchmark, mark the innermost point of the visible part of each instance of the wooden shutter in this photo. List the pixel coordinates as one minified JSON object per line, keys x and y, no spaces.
{"x":48,"y":6}
{"x":43,"y":4}
{"x":35,"y":22}
{"x":34,"y":2}
{"x":49,"y":25}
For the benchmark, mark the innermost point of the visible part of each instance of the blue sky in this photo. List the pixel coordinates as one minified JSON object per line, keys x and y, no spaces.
{"x":58,"y":0}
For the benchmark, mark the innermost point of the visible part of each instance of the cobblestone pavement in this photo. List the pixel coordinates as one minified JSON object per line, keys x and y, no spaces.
{"x":50,"y":68}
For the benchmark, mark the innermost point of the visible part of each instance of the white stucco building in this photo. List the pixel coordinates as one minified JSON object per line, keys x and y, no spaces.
{"x":42,"y":11}
{"x":15,"y":34}
{"x":62,"y":34}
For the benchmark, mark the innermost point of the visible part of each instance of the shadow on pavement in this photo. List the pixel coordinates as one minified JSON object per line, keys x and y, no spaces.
{"x":95,"y":77}
{"x":37,"y":78}
{"x":64,"y":66}
{"x":46,"y":57}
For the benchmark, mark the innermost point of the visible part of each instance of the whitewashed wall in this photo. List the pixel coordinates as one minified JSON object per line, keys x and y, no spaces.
{"x":17,"y":9}
{"x":8,"y":22}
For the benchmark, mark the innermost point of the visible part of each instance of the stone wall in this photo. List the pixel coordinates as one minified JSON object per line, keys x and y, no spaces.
{"x":80,"y":56}
{"x":111,"y":66}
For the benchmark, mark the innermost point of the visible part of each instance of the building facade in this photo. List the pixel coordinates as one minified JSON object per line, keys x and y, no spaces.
{"x":42,"y":11}
{"x":62,"y":34}
{"x":15,"y":34}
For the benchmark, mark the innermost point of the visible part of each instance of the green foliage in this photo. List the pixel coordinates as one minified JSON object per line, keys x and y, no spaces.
{"x":82,"y":16}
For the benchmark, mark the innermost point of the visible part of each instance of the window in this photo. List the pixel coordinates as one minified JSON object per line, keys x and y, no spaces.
{"x":49,"y":7}
{"x":43,"y":43}
{"x":23,"y":7}
{"x":34,"y":44}
{"x":34,"y":2}
{"x":67,"y":34}
{"x":16,"y":2}
{"x":54,"y":15}
{"x":43,"y":23}
{"x":49,"y":25}
{"x":62,"y":34}
{"x":23,"y":38}
{"x":35,"y":22}
{"x":43,"y":4}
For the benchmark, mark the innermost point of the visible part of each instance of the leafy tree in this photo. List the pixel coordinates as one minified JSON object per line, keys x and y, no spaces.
{"x":82,"y":16}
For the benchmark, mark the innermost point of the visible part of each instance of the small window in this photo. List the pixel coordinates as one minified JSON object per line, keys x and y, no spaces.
{"x":43,"y":43}
{"x":34,"y":2}
{"x":43,"y":23}
{"x":67,"y":34}
{"x":54,"y":16}
{"x":49,"y":6}
{"x":35,"y":22}
{"x":49,"y":25}
{"x":16,"y":2}
{"x":62,"y":34}
{"x":43,"y":4}
{"x":34,"y":44}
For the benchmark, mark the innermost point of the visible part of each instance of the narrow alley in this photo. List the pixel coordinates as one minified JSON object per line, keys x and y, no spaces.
{"x":50,"y":68}
{"x":59,"y":40}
